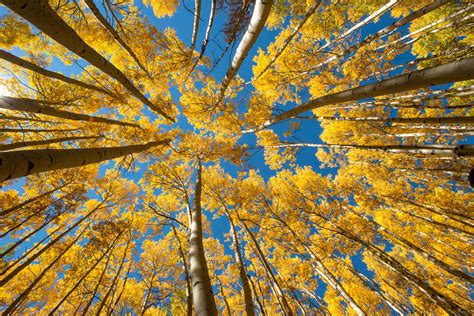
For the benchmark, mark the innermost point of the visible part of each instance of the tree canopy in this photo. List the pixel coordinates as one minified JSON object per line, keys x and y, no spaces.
{"x":258,"y":157}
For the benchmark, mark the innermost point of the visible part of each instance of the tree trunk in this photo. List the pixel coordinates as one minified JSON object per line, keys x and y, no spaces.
{"x":34,"y":106}
{"x":4,"y":147}
{"x":206,"y":38}
{"x":49,"y":245}
{"x":31,"y":200}
{"x":407,"y":120}
{"x":410,"y":246}
{"x":15,"y":164}
{"x":279,"y":291}
{"x":203,"y":297}
{"x":197,"y":17}
{"x":114,"y":280}
{"x":103,"y":21}
{"x":257,"y":22}
{"x":288,"y":40}
{"x":27,"y":291}
{"x":65,"y":297}
{"x":321,"y":268}
{"x":40,"y":14}
{"x":428,"y":149}
{"x":189,"y":302}
{"x":249,"y":306}
{"x":444,"y":302}
{"x":454,"y":71}
{"x":48,"y":73}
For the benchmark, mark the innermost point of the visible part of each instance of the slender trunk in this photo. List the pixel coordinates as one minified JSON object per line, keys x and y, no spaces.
{"x":227,"y":306}
{"x":35,"y":130}
{"x":249,"y":306}
{"x":123,"y":288}
{"x":427,"y":149}
{"x":409,"y":245}
{"x":321,"y":268}
{"x":441,"y":300}
{"x":48,"y":73}
{"x":103,"y":21}
{"x":34,"y":106}
{"x":260,"y":304}
{"x":96,"y":287}
{"x":454,"y":71}
{"x":268,"y":268}
{"x":429,"y":26}
{"x":15,"y":164}
{"x":45,"y":248}
{"x":407,"y":120}
{"x":30,"y":250}
{"x":189,"y":302}
{"x":30,"y":234}
{"x":4,"y":147}
{"x":82,"y":278}
{"x":197,"y":17}
{"x":27,"y":291}
{"x":386,"y":31}
{"x":288,"y":40}
{"x":31,"y":200}
{"x":18,"y":118}
{"x":40,"y":14}
{"x":206,"y":38}
{"x":203,"y":297}
{"x":114,"y":280}
{"x":257,"y":22}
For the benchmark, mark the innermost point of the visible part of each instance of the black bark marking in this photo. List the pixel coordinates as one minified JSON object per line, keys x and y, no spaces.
{"x":31,"y":165}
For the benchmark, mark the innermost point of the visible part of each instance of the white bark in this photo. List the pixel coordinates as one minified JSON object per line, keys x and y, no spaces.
{"x":454,"y":71}
{"x":34,"y":106}
{"x":15,"y":164}
{"x":257,"y":22}
{"x":203,"y":297}
{"x":48,"y":73}
{"x":40,"y":14}
{"x":289,"y":39}
{"x":197,"y":17}
{"x":102,"y":20}
{"x":4,"y":147}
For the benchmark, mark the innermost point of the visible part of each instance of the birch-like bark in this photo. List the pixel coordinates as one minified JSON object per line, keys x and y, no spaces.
{"x":426,"y":255}
{"x":4,"y":147}
{"x":82,"y":278}
{"x":428,"y":149}
{"x":10,"y":309}
{"x":268,"y":268}
{"x":385,"y":31}
{"x":35,"y":106}
{"x":48,"y":73}
{"x":249,"y":306}
{"x":40,"y":14}
{"x":114,"y":280}
{"x":197,"y":17}
{"x":321,"y":268}
{"x":407,"y":120}
{"x":206,"y":38}
{"x":454,"y":71}
{"x":49,"y":245}
{"x":103,"y":21}
{"x":31,"y":200}
{"x":288,"y":40}
{"x":189,"y":301}
{"x":15,"y":164}
{"x":203,"y":297}
{"x":448,"y":305}
{"x":257,"y":22}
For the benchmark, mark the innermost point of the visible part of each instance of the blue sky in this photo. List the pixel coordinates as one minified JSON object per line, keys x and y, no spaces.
{"x":182,"y":22}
